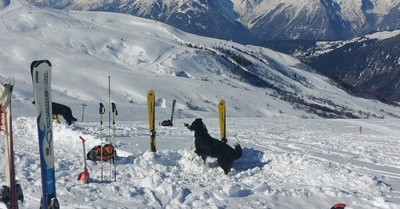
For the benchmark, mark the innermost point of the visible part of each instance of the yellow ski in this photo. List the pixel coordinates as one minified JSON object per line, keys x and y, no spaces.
{"x":222,"y":122}
{"x":150,"y":104}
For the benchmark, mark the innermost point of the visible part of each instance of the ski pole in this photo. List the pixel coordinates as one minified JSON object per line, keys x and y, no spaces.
{"x":115,"y":112}
{"x":102,"y":110}
{"x":109,"y":119}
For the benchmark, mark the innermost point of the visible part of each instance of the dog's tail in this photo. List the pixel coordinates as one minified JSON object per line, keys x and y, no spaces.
{"x":238,"y":151}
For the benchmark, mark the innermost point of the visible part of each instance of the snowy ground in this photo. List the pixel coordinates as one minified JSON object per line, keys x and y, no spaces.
{"x":286,"y":163}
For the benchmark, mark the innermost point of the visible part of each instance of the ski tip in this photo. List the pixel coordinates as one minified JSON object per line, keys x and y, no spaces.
{"x":10,"y":84}
{"x":38,"y":62}
{"x":10,"y":81}
{"x":150,"y":93}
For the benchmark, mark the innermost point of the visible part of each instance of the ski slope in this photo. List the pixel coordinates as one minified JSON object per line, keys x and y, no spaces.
{"x":291,"y":159}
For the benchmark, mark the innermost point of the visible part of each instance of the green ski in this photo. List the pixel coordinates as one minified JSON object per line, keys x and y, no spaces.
{"x":169,"y":122}
{"x":173,"y":111}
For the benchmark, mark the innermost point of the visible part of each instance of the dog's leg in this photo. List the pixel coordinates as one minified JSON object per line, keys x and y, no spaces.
{"x":194,"y":154}
{"x":204,"y":158}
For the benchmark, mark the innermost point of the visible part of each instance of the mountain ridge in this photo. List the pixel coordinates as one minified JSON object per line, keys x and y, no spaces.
{"x":255,"y":21}
{"x":369,"y":63}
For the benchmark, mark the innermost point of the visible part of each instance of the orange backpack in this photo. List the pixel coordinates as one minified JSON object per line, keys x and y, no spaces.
{"x":108,"y":153}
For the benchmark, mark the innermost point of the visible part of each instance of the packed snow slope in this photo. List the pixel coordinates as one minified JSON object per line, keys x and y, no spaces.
{"x":288,"y":161}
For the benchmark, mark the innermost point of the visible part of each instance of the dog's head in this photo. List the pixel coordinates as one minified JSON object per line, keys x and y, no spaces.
{"x":197,"y":125}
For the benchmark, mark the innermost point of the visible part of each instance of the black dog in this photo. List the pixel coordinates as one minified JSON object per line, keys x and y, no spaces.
{"x":65,"y":111}
{"x":207,"y":146}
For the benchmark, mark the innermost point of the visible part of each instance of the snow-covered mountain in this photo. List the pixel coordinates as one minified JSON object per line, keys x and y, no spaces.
{"x":288,"y":161}
{"x":140,"y":54}
{"x":317,"y":19}
{"x":254,"y":21}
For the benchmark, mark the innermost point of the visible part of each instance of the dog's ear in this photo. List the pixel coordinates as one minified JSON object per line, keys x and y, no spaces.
{"x":204,"y":127}
{"x":199,"y":124}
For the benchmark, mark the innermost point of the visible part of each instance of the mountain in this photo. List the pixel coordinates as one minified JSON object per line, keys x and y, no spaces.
{"x":255,"y":21}
{"x":370,"y":64}
{"x":140,"y":55}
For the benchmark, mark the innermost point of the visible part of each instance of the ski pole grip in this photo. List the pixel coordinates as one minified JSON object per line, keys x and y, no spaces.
{"x":102,"y":110}
{"x":114,"y":108}
{"x":83,"y":140}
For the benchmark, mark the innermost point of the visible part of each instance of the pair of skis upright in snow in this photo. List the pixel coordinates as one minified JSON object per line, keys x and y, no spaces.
{"x":11,"y":192}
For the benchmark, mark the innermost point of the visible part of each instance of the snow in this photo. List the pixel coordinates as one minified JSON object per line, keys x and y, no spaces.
{"x":286,"y":164}
{"x":383,"y":35}
{"x":288,"y":161}
{"x":324,"y":47}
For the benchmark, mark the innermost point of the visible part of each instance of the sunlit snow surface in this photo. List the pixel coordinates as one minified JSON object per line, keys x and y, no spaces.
{"x":288,"y":161}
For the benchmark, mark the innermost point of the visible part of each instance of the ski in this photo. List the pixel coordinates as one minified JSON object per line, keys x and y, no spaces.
{"x":11,"y":192}
{"x":115,"y":112}
{"x":173,"y":111}
{"x":169,"y":122}
{"x":222,"y":122}
{"x":150,"y":104}
{"x":41,"y":79}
